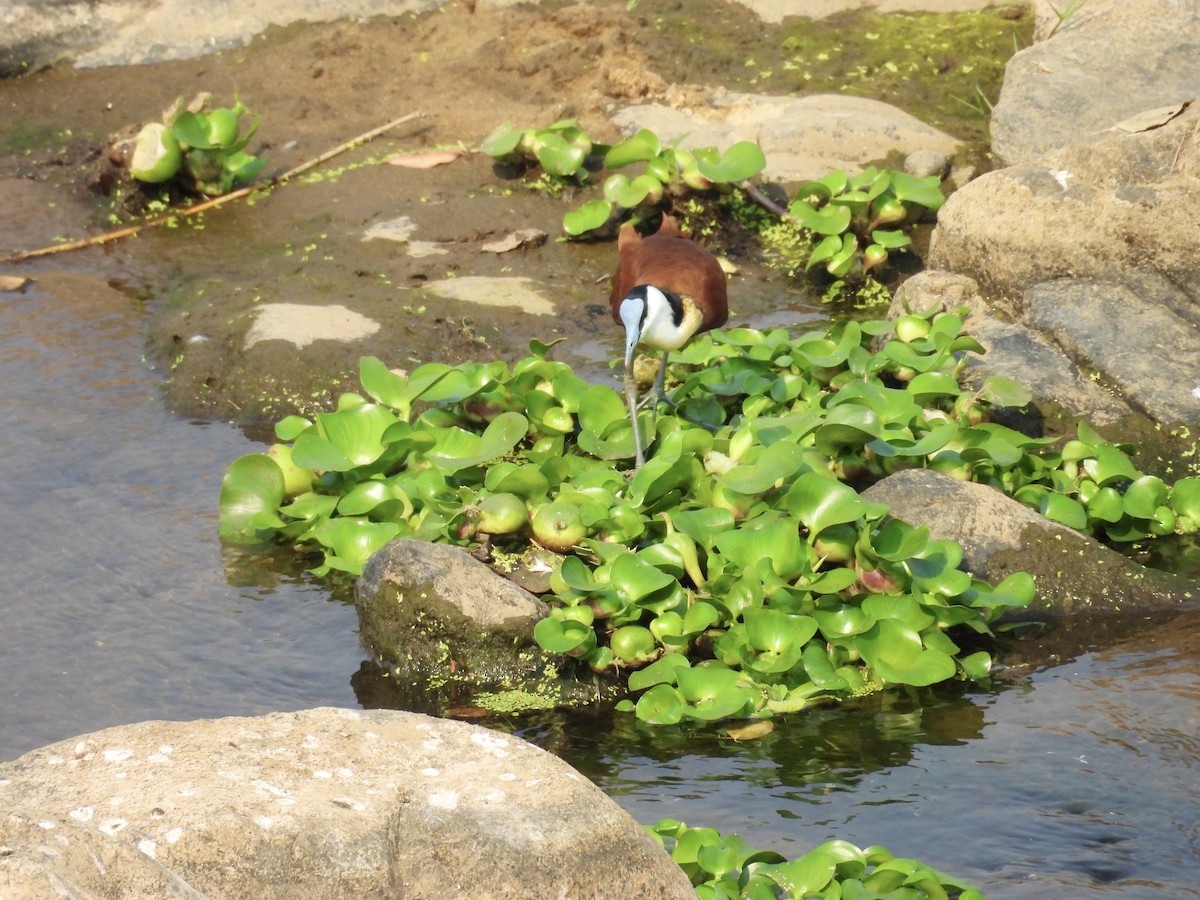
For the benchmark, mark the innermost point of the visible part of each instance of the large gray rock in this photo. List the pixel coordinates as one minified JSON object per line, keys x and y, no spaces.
{"x":433,"y":610}
{"x":1115,"y":204}
{"x":1013,"y":350}
{"x":319,"y":804}
{"x":1093,"y":247}
{"x":1152,"y":354}
{"x":802,"y":137}
{"x":1107,"y":61}
{"x":999,"y":536}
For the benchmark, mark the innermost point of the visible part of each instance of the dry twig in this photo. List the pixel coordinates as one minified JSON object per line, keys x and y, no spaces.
{"x":205,"y":205}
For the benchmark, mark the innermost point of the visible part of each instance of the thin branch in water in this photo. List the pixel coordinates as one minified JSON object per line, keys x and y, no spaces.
{"x":108,"y":237}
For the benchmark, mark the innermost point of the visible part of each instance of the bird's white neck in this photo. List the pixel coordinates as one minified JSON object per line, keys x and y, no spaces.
{"x":658,"y":319}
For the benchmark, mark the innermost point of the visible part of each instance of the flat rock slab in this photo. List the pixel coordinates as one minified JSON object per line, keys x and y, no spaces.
{"x":1156,"y":360}
{"x":322,"y":803}
{"x":802,"y":138}
{"x":521,"y":294}
{"x":300,"y":324}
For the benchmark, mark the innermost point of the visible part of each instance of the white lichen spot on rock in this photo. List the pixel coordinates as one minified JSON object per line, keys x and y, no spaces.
{"x":508,"y":776}
{"x":149,"y":848}
{"x":321,"y":773}
{"x":444,"y":799}
{"x":491,"y":743}
{"x":83,"y":814}
{"x":173,"y":835}
{"x":431,"y":772}
{"x":495,"y":797}
{"x":117,"y":755}
{"x":46,"y":824}
{"x":269,"y":788}
{"x":263,"y":822}
{"x":300,"y":324}
{"x":112,"y":826}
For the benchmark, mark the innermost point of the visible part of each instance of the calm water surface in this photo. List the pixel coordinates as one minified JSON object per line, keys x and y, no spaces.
{"x":1078,"y":780}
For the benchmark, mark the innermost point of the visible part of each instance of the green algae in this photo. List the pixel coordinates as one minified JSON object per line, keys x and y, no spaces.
{"x":944,"y":68}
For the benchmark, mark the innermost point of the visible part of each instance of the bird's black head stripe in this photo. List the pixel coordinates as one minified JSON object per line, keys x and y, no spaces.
{"x":672,"y":298}
{"x":676,"y":307}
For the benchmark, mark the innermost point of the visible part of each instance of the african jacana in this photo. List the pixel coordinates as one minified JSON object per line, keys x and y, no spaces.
{"x":666,"y":289}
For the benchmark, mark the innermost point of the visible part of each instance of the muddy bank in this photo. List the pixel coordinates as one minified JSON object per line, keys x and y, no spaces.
{"x":467,"y":69}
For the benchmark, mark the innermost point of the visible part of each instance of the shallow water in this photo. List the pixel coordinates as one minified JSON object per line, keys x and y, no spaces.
{"x":1077,"y":780}
{"x":117,"y":605}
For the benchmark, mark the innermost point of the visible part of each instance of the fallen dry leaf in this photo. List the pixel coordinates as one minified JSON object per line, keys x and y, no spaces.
{"x":426,"y":160}
{"x":12,"y":282}
{"x":1151,"y":118}
{"x":526,"y":237}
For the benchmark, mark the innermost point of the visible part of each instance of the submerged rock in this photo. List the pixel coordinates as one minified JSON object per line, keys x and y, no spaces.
{"x":321,"y":804}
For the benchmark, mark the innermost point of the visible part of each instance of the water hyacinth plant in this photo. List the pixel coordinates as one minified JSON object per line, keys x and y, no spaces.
{"x":738,"y":572}
{"x":202,"y":150}
{"x":860,"y":219}
{"x":725,"y":866}
{"x":565,"y":151}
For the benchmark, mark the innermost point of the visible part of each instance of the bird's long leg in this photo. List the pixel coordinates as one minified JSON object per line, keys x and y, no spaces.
{"x":631,"y":400}
{"x":658,"y":394}
{"x":659,"y":390}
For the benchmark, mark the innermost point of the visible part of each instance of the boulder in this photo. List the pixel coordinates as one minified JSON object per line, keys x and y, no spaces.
{"x":322,"y":804}
{"x":1075,"y":574}
{"x":1061,"y":392}
{"x":1116,"y":204}
{"x":432,"y":610}
{"x":1097,"y":233}
{"x":802,"y":138}
{"x":1105,"y":62}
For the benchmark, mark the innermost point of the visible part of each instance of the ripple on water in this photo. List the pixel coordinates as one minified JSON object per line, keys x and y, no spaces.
{"x":122,"y":609}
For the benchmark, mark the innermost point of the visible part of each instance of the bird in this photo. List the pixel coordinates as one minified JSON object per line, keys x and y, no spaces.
{"x":665,"y":291}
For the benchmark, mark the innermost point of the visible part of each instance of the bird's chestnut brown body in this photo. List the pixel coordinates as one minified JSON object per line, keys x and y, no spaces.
{"x":675,"y":264}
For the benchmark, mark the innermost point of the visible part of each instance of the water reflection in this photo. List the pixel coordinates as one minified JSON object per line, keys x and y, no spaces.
{"x":1075,"y":778}
{"x":1074,"y":781}
{"x":116,"y":606}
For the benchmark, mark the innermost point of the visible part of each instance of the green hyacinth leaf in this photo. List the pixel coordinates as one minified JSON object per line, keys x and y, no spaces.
{"x":502,"y":141}
{"x":661,"y":705}
{"x":253,"y":486}
{"x":925,"y":191}
{"x":592,"y":215}
{"x":828,"y":220}
{"x":741,"y":161}
{"x":1145,"y":496}
{"x":640,"y":147}
{"x":820,"y":501}
{"x":558,"y":156}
